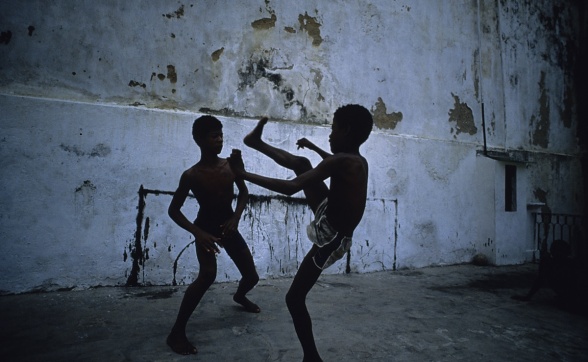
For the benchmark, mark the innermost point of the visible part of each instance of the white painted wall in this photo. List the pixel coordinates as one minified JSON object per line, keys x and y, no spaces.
{"x":90,"y":111}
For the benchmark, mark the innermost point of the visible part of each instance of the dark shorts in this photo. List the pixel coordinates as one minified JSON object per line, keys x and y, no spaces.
{"x":233,"y":244}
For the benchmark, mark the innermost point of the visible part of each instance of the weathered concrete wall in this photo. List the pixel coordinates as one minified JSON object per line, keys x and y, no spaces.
{"x":97,"y":100}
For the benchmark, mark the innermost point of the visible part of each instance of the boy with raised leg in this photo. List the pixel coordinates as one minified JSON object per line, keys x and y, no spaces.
{"x":338,"y":209}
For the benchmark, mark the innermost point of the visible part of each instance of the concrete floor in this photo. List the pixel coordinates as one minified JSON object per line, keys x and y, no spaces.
{"x":454,"y":313}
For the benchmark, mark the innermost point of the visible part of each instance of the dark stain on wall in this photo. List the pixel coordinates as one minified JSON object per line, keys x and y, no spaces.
{"x":254,"y":71}
{"x":385,"y":120}
{"x":100,"y":150}
{"x":568,"y":102}
{"x":216,"y":54}
{"x":133,"y":83}
{"x":463,"y":116}
{"x":226,"y":112}
{"x":136,"y":249}
{"x":312,"y":27}
{"x":257,"y":69}
{"x":86,"y":185}
{"x":159,"y":76}
{"x":5,"y":37}
{"x":541,"y":124}
{"x":176,"y":14}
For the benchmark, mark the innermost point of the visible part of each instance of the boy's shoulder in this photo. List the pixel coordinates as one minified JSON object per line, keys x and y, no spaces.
{"x":350,"y":158}
{"x":198,"y":169}
{"x":192,"y":172}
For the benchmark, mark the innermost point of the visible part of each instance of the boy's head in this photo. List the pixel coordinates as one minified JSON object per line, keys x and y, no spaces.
{"x":358,"y":119}
{"x":203,"y":126}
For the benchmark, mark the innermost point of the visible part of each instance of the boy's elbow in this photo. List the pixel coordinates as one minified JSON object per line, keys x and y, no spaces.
{"x":291,"y":190}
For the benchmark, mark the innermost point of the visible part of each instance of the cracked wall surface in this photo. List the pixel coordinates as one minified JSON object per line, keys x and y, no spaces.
{"x":97,"y":100}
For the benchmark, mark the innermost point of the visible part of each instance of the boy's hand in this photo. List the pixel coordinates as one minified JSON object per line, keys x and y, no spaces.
{"x":304,"y":143}
{"x":208,"y":242}
{"x":236,"y":163}
{"x":229,"y":227}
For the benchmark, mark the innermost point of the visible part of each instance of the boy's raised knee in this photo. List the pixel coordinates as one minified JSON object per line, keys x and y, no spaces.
{"x":301,"y":165}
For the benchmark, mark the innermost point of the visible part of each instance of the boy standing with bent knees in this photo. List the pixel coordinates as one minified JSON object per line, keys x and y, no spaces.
{"x":211,"y":181}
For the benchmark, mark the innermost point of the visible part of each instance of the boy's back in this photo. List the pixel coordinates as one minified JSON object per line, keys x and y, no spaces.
{"x":347,"y":192}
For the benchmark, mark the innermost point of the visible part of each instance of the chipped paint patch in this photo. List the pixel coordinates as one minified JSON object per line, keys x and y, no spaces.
{"x":176,"y":14}
{"x":133,"y":83}
{"x":216,"y":54}
{"x":256,"y":70}
{"x":463,"y":116}
{"x":171,"y":74}
{"x":264,"y":23}
{"x":385,"y":120}
{"x":317,"y":80}
{"x":312,"y":27}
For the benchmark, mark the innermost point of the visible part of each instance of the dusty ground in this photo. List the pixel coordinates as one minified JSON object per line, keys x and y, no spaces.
{"x":454,"y":313}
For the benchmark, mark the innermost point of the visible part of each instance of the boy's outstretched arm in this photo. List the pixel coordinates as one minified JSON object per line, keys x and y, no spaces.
{"x":287,"y":187}
{"x":204,"y":239}
{"x":304,"y":143}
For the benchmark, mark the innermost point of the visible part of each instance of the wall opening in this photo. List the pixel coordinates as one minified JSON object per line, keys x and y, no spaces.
{"x":510,"y":188}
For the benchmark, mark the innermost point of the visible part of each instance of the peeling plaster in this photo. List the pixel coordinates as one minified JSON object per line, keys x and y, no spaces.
{"x":171,"y":74}
{"x":176,"y":14}
{"x":265,"y":23}
{"x":317,"y":79}
{"x":463,"y":116}
{"x":133,"y":83}
{"x":216,"y":54}
{"x":256,"y":70}
{"x":312,"y":27}
{"x":385,"y":120}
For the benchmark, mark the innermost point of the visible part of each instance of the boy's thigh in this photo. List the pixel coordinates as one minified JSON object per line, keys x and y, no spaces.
{"x":206,"y":259}
{"x":315,"y":195}
{"x":236,"y":247}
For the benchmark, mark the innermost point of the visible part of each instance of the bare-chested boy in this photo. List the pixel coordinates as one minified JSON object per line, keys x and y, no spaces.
{"x":211,"y":181}
{"x":337,"y":210}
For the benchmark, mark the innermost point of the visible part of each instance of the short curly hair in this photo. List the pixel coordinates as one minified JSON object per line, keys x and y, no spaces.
{"x":203,"y":125}
{"x":358,"y":118}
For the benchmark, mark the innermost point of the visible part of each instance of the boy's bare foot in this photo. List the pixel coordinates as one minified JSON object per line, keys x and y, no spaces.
{"x":180,"y":344}
{"x":253,"y":139}
{"x":247,"y":304}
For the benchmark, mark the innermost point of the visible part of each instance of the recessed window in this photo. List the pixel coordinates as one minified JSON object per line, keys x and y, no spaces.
{"x":510,"y":188}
